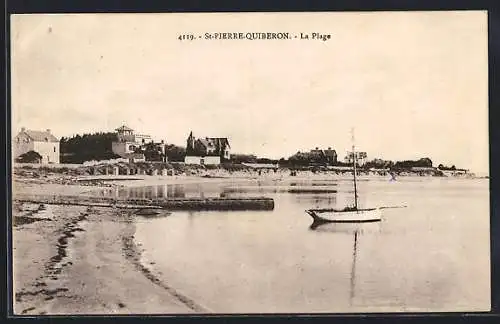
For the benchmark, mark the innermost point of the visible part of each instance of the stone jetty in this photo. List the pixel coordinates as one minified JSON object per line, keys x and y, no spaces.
{"x":193,"y":204}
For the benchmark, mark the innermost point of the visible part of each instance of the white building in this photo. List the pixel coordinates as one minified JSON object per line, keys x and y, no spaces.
{"x":360,"y":158}
{"x":126,"y":142}
{"x":202,"y":160}
{"x":42,"y":142}
{"x":208,"y":150}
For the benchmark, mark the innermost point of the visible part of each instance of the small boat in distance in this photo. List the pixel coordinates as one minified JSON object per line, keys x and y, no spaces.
{"x":349,"y":214}
{"x":152,"y":212}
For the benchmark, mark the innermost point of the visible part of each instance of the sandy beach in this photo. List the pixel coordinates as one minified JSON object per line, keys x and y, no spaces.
{"x":75,"y":259}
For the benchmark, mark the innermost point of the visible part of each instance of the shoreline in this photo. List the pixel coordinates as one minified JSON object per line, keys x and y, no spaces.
{"x":74,"y":260}
{"x":134,"y":254}
{"x":144,"y":180}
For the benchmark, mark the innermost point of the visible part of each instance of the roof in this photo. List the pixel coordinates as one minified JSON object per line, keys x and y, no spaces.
{"x":205,"y":142}
{"x":223,"y":140}
{"x":211,"y":141}
{"x":40,"y":136}
{"x":123,"y":128}
{"x":316,"y":153}
{"x":142,"y":136}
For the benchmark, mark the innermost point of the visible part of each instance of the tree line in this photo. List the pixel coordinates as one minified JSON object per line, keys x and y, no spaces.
{"x":306,"y":160}
{"x":86,"y":147}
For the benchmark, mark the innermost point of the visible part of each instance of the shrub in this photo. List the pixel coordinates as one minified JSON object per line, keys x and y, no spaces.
{"x":29,"y":157}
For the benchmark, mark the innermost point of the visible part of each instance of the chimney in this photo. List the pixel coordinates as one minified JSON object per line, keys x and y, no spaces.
{"x":23,"y":129}
{"x":48,"y":130}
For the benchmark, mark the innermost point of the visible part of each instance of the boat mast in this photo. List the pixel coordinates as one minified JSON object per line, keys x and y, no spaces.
{"x":354,"y":171}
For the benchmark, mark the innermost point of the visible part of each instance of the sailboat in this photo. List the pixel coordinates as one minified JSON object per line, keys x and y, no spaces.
{"x":349,"y":214}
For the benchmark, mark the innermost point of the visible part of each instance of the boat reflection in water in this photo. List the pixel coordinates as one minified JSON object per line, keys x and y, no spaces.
{"x":357,"y":230}
{"x":347,"y":227}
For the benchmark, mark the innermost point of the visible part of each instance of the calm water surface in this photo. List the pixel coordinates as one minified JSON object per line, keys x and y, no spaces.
{"x":432,"y":255}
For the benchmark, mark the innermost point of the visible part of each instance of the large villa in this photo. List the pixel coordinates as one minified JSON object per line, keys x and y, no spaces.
{"x":208,"y":150}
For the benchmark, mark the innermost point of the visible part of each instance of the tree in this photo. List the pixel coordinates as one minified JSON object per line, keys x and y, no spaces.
{"x":151,"y":152}
{"x":446,"y":168}
{"x":424,"y":162}
{"x":377,"y":164}
{"x":175,"y":153}
{"x":299,"y":159}
{"x":243,"y":158}
{"x":408,"y":164}
{"x":266,"y":161}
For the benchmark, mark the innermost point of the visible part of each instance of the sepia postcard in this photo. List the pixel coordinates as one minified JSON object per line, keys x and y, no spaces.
{"x":250,"y":163}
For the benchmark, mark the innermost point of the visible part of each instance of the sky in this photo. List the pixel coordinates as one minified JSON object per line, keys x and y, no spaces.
{"x":412,"y":84}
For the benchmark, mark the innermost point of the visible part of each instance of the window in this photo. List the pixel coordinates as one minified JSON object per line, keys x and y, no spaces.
{"x":54,"y":149}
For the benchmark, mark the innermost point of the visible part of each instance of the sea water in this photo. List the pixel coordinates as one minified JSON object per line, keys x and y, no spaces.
{"x":432,"y":255}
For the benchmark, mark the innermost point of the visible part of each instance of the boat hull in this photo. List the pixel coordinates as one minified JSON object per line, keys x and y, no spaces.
{"x":150,"y":212}
{"x":356,"y":216}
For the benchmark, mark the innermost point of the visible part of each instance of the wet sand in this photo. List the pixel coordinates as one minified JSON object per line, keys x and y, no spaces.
{"x":81,"y":260}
